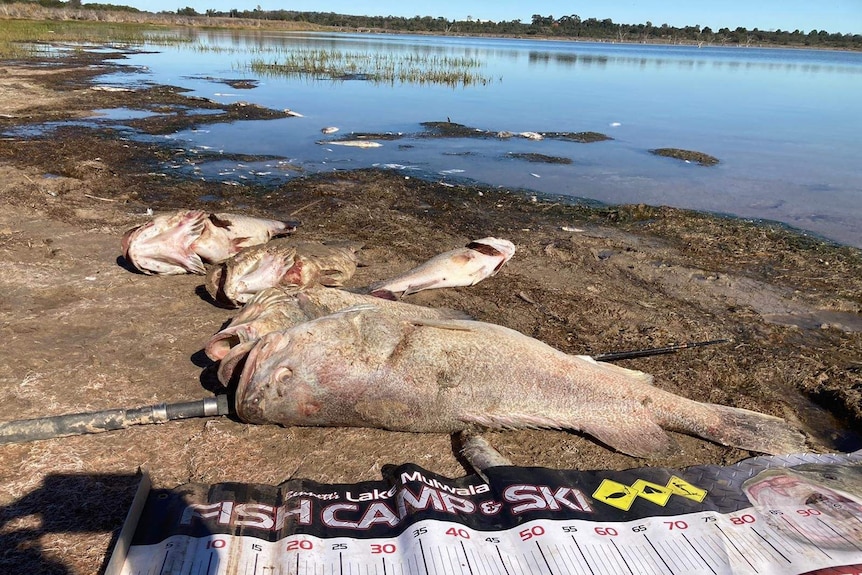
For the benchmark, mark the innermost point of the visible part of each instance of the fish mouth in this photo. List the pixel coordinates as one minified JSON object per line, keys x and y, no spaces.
{"x":220,"y":345}
{"x":234,"y":362}
{"x":248,"y":397}
{"x":127,"y":241}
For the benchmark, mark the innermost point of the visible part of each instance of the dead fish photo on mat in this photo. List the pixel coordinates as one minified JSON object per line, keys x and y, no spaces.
{"x":365,"y":368}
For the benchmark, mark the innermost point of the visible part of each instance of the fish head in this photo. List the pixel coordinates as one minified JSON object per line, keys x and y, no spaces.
{"x":214,"y":284}
{"x":314,"y":373}
{"x":501,"y":249}
{"x":164,"y":245}
{"x":274,"y":385}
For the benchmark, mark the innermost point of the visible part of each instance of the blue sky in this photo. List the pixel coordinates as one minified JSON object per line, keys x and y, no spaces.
{"x":844,"y":16}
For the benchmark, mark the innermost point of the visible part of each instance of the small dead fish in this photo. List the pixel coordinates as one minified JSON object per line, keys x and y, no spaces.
{"x":280,"y":262}
{"x":328,"y":130}
{"x":274,"y":309}
{"x":465,"y":266}
{"x":181,"y":242}
{"x":363,"y":368}
{"x":531,"y":135}
{"x":833,"y":492}
{"x":353,"y":143}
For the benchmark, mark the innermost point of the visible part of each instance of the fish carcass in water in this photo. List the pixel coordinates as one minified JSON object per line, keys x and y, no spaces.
{"x":465,"y":266}
{"x":353,"y":143}
{"x":280,"y":262}
{"x":181,"y":242}
{"x":274,"y":309}
{"x":365,"y":368}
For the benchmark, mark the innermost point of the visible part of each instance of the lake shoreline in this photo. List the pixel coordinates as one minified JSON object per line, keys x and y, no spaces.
{"x":83,"y":332}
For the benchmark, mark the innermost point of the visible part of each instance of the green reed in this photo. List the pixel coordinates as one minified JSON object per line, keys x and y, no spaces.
{"x":376,"y":67}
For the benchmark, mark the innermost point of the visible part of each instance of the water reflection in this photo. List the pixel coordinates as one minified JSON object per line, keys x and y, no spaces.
{"x":784,"y":123}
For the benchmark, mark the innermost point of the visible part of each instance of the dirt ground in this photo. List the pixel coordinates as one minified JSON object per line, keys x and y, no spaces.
{"x":81,"y":332}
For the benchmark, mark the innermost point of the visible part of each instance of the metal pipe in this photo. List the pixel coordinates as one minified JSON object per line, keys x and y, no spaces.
{"x":24,"y":430}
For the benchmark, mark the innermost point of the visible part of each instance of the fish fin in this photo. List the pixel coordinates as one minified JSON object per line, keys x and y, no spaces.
{"x":753,"y":431}
{"x":633,"y":433}
{"x":384,"y":294}
{"x":238,"y":243}
{"x":451,"y":324}
{"x":638,"y":436}
{"x":416,"y":288}
{"x":612,"y":369}
{"x":220,"y":220}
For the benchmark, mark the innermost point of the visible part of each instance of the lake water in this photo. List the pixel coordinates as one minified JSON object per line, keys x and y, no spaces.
{"x":786,"y":125}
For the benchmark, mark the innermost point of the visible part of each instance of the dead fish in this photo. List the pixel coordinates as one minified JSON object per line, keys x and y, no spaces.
{"x":274,"y":309}
{"x":181,"y":242}
{"x":280,"y":262}
{"x":225,"y":235}
{"x":531,"y":135}
{"x":831,"y":492}
{"x":465,"y":266}
{"x":328,"y":130}
{"x":352,"y":143}
{"x":368,"y":369}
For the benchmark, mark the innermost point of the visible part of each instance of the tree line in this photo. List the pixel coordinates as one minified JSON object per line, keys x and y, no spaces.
{"x":568,"y":27}
{"x":571,"y":26}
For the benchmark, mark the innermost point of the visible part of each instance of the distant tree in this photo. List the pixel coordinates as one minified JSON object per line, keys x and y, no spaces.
{"x":187,"y":11}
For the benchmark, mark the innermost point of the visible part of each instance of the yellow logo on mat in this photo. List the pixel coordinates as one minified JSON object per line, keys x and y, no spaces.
{"x":622,"y":496}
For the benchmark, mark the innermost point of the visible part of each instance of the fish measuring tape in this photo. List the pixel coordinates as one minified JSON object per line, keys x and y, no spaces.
{"x":797,"y":514}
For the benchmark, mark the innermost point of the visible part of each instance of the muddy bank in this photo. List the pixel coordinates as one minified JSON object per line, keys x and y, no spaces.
{"x":82,"y":332}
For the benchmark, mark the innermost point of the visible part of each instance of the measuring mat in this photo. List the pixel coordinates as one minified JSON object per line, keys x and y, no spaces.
{"x":781,"y":515}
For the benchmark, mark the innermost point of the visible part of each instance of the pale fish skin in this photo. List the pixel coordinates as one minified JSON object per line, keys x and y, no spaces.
{"x":353,"y":143}
{"x":531,"y":135}
{"x":181,"y":242}
{"x":280,"y":262}
{"x":225,"y":235}
{"x":832,"y":491}
{"x":328,"y":130}
{"x":467,"y":266}
{"x":276,"y":308}
{"x":364,"y":368}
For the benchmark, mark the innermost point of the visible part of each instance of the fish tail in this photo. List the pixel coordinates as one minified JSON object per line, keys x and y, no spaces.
{"x":752,"y":431}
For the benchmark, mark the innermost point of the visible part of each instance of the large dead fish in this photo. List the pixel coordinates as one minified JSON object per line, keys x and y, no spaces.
{"x":465,"y":266}
{"x":181,"y":242}
{"x":280,"y":262}
{"x":368,"y":369}
{"x":274,"y":309}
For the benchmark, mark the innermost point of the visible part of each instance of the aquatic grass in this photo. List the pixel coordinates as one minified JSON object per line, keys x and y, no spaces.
{"x":375,"y":67}
{"x":21,"y":38}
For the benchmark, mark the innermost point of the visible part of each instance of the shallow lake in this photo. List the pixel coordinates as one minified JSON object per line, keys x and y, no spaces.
{"x":784,"y":124}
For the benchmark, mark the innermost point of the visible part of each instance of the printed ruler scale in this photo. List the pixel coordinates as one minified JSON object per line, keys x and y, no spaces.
{"x":767,"y":515}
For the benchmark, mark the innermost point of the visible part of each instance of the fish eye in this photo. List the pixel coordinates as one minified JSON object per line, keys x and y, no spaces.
{"x":283,"y":374}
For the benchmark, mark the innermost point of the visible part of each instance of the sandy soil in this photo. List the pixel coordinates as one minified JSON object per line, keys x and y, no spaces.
{"x":82,"y":332}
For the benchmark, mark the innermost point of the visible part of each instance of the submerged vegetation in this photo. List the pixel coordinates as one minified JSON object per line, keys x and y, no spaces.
{"x":376,"y":67}
{"x":686,"y":156}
